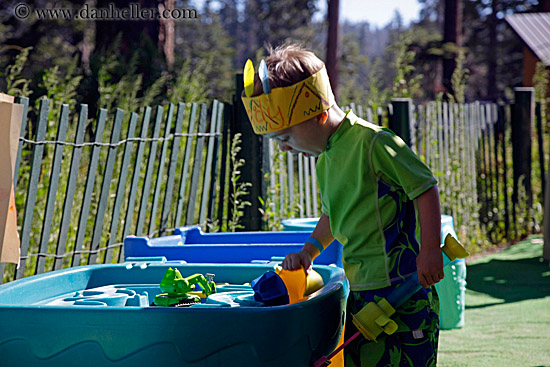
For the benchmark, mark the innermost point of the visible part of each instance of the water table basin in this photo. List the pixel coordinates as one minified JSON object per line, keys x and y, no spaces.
{"x":102,"y":315}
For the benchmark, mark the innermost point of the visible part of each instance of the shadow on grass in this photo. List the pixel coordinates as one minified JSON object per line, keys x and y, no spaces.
{"x":511,"y":280}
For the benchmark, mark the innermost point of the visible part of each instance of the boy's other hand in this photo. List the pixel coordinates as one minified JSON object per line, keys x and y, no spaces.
{"x":429,"y":265}
{"x":297,"y":260}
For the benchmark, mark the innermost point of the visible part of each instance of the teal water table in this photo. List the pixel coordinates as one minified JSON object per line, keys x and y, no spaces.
{"x":451,"y":288}
{"x":102,"y":315}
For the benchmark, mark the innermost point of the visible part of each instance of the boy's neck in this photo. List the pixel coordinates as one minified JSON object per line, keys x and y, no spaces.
{"x":335,"y":118}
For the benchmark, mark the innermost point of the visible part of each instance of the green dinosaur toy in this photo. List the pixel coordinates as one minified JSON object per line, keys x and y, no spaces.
{"x":177,"y":288}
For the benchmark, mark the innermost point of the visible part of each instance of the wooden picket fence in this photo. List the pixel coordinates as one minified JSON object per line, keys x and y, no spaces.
{"x":77,"y":203}
{"x":464,"y":145}
{"x":78,"y":195}
{"x":468,"y":148}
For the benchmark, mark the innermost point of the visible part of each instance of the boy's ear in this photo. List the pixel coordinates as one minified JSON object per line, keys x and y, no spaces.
{"x":322,"y":118}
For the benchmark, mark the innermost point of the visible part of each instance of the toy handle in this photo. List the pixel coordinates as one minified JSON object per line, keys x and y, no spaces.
{"x":404,"y":292}
{"x":409,"y":287}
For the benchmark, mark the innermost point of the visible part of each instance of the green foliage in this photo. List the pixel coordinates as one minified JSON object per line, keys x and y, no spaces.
{"x":277,"y":22}
{"x":541,"y":82}
{"x":528,"y":214}
{"x":191,"y":83}
{"x":459,"y":79}
{"x":276,"y":205}
{"x":212,"y":225}
{"x":239,"y":188}
{"x":127,"y":91}
{"x":378,"y":96}
{"x":352,"y":71}
{"x":60,"y":88}
{"x":16,"y":84}
{"x":405,"y":84}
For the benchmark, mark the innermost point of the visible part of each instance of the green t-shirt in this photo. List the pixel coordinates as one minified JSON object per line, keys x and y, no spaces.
{"x":369,"y":178}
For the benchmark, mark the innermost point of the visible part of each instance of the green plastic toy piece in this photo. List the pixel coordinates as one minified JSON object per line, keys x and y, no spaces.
{"x":176,"y":288}
{"x":374,"y":318}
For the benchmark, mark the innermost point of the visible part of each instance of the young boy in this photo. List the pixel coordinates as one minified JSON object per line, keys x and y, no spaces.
{"x":378,"y":199}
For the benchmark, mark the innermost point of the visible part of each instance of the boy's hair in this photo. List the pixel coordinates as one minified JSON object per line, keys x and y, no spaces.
{"x":290,"y":63}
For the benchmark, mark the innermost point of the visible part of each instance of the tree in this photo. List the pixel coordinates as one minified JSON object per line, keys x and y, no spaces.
{"x":352,"y":72}
{"x":136,"y":37}
{"x":204,"y":45}
{"x":452,"y":38}
{"x":132,"y":32}
{"x":276,"y":22}
{"x":333,"y":41}
{"x":492,"y":50}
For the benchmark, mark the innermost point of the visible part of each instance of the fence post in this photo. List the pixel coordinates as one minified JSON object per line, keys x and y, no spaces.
{"x":546,"y":222}
{"x":522,"y":122}
{"x":546,"y":206}
{"x":400,"y":118}
{"x":540,"y":134}
{"x":252,"y":153}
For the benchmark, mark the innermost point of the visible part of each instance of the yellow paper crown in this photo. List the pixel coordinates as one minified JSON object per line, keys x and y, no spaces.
{"x":288,"y":106}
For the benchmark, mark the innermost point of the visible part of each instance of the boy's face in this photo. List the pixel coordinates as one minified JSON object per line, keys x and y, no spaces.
{"x":306,"y":138}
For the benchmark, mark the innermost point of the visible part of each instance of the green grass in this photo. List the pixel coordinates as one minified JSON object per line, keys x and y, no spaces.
{"x":507,"y":318}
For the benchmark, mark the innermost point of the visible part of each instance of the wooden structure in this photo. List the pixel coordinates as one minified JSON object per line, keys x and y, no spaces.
{"x":534,"y":31}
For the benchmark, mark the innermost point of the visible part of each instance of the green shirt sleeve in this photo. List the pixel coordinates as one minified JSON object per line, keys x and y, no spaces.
{"x":394,"y":162}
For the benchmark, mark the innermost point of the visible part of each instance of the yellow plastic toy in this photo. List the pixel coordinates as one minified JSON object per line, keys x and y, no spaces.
{"x":298,"y":285}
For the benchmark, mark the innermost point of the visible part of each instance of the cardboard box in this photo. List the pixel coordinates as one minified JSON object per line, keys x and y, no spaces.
{"x":11,"y":115}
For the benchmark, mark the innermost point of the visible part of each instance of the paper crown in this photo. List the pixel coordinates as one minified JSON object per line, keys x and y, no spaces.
{"x":280,"y":108}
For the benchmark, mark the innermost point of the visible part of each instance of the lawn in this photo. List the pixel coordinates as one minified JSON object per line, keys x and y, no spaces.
{"x":507,"y":318}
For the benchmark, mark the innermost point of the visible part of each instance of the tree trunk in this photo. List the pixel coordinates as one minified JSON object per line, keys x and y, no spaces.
{"x":132,"y":32}
{"x":333,"y":15}
{"x":452,"y":33}
{"x":166,"y":34}
{"x":492,"y":90}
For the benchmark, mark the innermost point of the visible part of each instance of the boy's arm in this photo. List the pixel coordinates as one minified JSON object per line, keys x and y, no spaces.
{"x":429,"y":262}
{"x":321,"y":233}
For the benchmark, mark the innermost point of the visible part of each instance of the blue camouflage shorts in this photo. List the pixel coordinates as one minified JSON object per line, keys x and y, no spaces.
{"x":414,"y":343}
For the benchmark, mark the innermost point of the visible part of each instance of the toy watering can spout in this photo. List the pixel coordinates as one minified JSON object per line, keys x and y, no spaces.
{"x":451,"y":245}
{"x":280,"y":287}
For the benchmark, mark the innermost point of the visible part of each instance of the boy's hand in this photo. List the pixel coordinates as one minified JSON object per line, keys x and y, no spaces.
{"x":429,"y":265}
{"x":296,"y":260}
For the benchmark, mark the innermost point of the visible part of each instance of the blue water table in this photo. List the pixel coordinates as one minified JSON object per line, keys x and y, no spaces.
{"x":192,"y":245}
{"x":156,"y":312}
